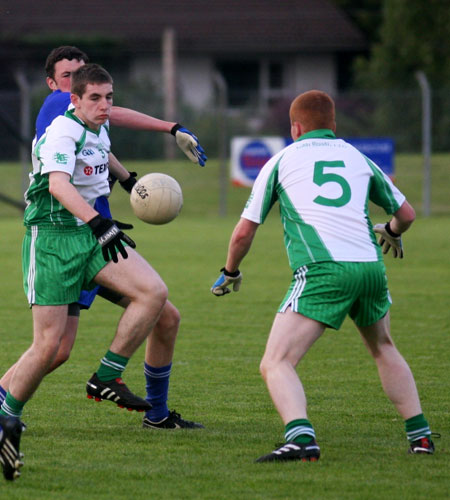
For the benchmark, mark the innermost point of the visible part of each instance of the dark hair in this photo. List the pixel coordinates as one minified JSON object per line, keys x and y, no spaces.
{"x":89,"y":73}
{"x":60,"y":53}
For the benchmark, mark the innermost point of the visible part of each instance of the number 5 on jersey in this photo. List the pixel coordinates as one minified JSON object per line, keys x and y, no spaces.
{"x":320,"y":178}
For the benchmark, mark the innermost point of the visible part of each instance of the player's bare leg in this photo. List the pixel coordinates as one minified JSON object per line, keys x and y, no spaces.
{"x":158,"y":364}
{"x":62,"y":355}
{"x":135,"y":279}
{"x":395,"y":375}
{"x":160,"y":344}
{"x":291,"y":336}
{"x":66,"y":344}
{"x":399,"y":385}
{"x":161,"y":341}
{"x":48,"y":327}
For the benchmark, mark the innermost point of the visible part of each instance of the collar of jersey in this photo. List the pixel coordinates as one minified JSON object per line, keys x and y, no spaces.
{"x":70,"y":114}
{"x":322,"y":133}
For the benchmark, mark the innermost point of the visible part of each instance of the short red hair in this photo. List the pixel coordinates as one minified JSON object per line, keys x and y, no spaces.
{"x":313,"y":110}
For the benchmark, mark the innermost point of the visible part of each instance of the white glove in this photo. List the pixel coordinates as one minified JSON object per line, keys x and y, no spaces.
{"x":389,"y":239}
{"x":225,"y":280}
{"x":188,"y":143}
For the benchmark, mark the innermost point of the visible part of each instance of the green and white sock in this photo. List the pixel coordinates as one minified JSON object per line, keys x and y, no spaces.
{"x":417,"y":428}
{"x":111,"y":366}
{"x":11,"y":406}
{"x":299,"y":431}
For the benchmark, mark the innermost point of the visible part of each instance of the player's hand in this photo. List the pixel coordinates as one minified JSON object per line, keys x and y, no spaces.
{"x":188,"y":143}
{"x":122,"y":225}
{"x":225,"y":280}
{"x":128,"y":184}
{"x":389,"y":239}
{"x":110,"y":238}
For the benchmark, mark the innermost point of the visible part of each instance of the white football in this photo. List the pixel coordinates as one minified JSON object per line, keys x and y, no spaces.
{"x":156,"y":198}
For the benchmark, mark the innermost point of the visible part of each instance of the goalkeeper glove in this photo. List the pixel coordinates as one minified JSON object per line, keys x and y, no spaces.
{"x":188,"y":143}
{"x":225,"y":280}
{"x":389,"y":239}
{"x":110,"y":238}
{"x":128,"y":184}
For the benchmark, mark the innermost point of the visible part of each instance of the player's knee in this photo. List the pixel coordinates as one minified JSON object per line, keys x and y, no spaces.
{"x":264,"y":367}
{"x":153,"y":293}
{"x":383,"y":348}
{"x":271,"y":364}
{"x":159,"y":293}
{"x":61,"y":357}
{"x":170,"y":319}
{"x":166,"y":329}
{"x":46,"y":350}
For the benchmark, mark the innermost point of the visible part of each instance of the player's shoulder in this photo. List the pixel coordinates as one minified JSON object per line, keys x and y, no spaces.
{"x":56,"y":99}
{"x":277,"y":157}
{"x":65,"y":126}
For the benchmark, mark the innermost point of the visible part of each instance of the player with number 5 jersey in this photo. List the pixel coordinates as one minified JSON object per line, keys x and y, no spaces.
{"x":323,"y":186}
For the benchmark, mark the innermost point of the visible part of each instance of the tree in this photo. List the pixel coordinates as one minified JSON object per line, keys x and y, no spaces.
{"x":366,"y":14}
{"x":414,"y":36}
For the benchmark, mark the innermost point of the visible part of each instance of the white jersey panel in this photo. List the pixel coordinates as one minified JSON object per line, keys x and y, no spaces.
{"x":70,"y":147}
{"x":323,"y":186}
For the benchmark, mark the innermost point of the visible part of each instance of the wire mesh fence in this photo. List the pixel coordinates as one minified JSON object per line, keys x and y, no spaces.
{"x":394,"y":114}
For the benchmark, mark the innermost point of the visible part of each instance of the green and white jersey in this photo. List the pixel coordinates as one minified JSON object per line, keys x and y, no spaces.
{"x":68,"y":145}
{"x":323,"y":186}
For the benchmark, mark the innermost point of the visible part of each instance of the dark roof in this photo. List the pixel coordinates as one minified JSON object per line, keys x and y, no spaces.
{"x":212,"y":26}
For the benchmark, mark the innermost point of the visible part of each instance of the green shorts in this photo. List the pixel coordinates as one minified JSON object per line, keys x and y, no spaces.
{"x":328,"y":291}
{"x":59,"y":262}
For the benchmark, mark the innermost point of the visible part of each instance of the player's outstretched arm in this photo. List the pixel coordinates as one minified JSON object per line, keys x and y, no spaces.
{"x":240,"y":243}
{"x":186,"y":140}
{"x":129,"y":118}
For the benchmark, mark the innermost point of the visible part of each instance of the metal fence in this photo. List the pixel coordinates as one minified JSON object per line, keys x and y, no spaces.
{"x":395,"y":114}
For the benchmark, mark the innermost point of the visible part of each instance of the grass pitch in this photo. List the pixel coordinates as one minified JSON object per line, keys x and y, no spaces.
{"x":77,"y":449}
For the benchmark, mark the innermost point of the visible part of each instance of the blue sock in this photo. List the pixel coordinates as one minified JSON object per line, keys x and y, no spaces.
{"x":2,"y":395}
{"x":157,"y":391}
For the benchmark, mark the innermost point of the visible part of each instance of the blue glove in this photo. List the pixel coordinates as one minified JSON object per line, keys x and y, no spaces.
{"x":225,"y":280}
{"x":188,"y":143}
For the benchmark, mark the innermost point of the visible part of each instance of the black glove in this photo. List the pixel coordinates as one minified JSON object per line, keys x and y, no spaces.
{"x":128,"y":184}
{"x":122,"y":225}
{"x":110,"y":238}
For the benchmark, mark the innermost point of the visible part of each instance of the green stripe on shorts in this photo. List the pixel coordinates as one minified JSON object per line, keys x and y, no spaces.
{"x":58,"y":262}
{"x":328,"y":291}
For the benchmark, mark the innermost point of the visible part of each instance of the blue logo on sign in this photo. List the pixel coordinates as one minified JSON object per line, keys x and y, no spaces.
{"x":253,"y":157}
